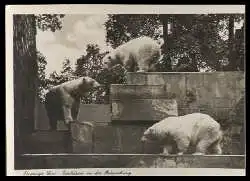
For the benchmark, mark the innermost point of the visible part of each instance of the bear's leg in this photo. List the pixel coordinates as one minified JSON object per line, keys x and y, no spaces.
{"x":52,"y":107}
{"x":67,"y":140}
{"x":67,"y":114}
{"x":52,"y":115}
{"x":198,"y":153}
{"x":75,"y":110}
{"x":130,"y":64}
{"x":167,"y":149}
{"x":143,"y":66}
{"x":202,"y":146}
{"x":182,"y":145}
{"x":211,"y":140}
{"x":216,"y":149}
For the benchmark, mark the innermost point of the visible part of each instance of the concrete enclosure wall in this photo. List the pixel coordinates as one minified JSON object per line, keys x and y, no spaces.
{"x":219,"y":94}
{"x":214,"y":93}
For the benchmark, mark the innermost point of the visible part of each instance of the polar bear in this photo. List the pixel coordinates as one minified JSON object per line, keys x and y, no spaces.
{"x":196,"y":129}
{"x":139,"y":54}
{"x":62,"y":102}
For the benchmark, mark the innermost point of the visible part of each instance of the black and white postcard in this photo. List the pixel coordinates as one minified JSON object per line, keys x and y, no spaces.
{"x":125,"y":90}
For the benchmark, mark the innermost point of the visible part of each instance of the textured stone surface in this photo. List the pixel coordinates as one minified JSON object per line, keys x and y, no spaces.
{"x":152,"y":148}
{"x":128,"y":161}
{"x":106,"y":139}
{"x":221,"y":84}
{"x":219,"y":94}
{"x":82,"y":147}
{"x":45,"y":142}
{"x":130,"y":139}
{"x":208,"y":162}
{"x":190,"y":162}
{"x":194,"y":80}
{"x":211,"y":90}
{"x":121,"y":91}
{"x":194,"y":92}
{"x":61,"y":126}
{"x":154,"y":78}
{"x":82,"y":137}
{"x":87,"y":113}
{"x":95,"y":113}
{"x":143,"y":109}
{"x":41,"y":118}
{"x":136,"y":78}
{"x":118,"y":139}
{"x":223,"y":103}
{"x":82,"y":132}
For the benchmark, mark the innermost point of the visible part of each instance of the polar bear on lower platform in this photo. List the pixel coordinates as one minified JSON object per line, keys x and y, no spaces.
{"x":196,"y":129}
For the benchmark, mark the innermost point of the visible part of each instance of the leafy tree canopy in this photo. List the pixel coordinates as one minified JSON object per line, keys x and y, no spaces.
{"x":50,"y":22}
{"x":196,"y":38}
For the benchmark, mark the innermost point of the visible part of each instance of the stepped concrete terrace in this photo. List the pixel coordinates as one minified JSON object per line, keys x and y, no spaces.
{"x":109,"y":135}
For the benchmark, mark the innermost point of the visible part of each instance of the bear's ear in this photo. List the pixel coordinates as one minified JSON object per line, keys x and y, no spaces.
{"x":150,"y":130}
{"x":90,"y":83}
{"x":84,"y":81}
{"x":95,"y":84}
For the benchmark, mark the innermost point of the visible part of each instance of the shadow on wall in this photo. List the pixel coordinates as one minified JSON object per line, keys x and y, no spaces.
{"x":88,"y":112}
{"x":137,"y":112}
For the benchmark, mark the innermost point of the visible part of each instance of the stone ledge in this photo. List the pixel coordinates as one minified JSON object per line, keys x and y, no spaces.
{"x":52,"y":161}
{"x":123,"y":91}
{"x":159,"y":78}
{"x":143,"y":109}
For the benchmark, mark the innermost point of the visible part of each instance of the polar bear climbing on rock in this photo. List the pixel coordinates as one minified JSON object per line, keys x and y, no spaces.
{"x":62,"y":102}
{"x":137,"y":55}
{"x":196,"y":129}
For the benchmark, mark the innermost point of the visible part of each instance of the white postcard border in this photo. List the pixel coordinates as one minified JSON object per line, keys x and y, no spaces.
{"x":98,"y":9}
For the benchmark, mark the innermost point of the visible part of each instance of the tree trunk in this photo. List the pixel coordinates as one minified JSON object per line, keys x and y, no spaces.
{"x":164,"y":19}
{"x":240,"y":48}
{"x":25,"y":75}
{"x":167,"y":42}
{"x":231,"y":58}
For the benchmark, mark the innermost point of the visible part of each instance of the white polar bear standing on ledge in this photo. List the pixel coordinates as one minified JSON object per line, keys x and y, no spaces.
{"x":196,"y":129}
{"x":137,"y":55}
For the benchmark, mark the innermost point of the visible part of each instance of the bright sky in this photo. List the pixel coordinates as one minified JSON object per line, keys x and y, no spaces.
{"x":70,"y":42}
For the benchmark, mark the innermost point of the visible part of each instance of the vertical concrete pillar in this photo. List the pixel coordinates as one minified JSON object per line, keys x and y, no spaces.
{"x":82,"y":137}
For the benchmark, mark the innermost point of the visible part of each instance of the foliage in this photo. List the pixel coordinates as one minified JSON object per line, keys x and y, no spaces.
{"x":46,"y":22}
{"x":50,"y":22}
{"x":91,"y":65}
{"x":42,"y":81}
{"x":195,"y":38}
{"x":116,"y":75}
{"x":67,"y":71}
{"x":66,"y":74}
{"x":122,"y":28}
{"x":195,"y":42}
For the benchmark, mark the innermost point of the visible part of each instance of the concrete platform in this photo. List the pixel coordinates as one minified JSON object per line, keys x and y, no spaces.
{"x":52,"y":161}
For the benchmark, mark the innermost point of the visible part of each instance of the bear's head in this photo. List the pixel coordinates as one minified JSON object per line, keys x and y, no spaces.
{"x":149,"y":135}
{"x":89,"y":84}
{"x":107,"y":62}
{"x":110,"y":60}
